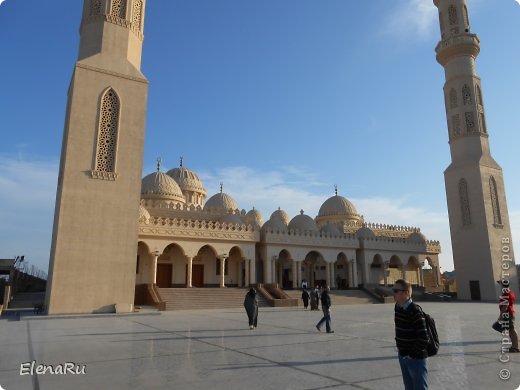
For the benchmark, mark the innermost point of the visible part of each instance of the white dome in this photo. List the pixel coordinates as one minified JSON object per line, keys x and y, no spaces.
{"x":302,"y":223}
{"x":221,"y":201}
{"x":280,"y":215}
{"x":144,"y":215}
{"x":254,"y":217}
{"x":275,"y":225}
{"x":337,"y":205}
{"x":187,"y":180}
{"x":160,"y":186}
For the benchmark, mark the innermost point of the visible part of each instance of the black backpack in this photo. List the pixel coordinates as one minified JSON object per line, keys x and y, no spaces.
{"x":433,"y":338}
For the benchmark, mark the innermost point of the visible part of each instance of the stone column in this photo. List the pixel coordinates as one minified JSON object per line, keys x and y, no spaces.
{"x":222,"y":271}
{"x":333,"y":275}
{"x":403,"y":272}
{"x":155,"y":256}
{"x":299,"y":273}
{"x":351,"y":273}
{"x":354,"y":273}
{"x":385,"y":272}
{"x":252,"y":271}
{"x":189,"y":277}
{"x":421,"y":276}
{"x":327,"y":273}
{"x":247,"y":267}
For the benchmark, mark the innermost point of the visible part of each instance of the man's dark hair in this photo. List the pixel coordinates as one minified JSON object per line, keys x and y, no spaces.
{"x":404,"y":285}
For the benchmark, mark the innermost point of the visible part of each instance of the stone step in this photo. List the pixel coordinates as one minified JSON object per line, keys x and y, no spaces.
{"x":205,"y":298}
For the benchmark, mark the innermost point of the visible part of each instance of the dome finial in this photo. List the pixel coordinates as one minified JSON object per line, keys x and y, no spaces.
{"x":301,"y":211}
{"x":159,"y":164}
{"x":181,"y":161}
{"x":221,"y":185}
{"x":336,"y":189}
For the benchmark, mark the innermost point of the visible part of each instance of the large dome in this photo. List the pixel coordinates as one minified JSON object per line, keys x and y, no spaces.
{"x":160,"y":186}
{"x":221,"y":201}
{"x":302,"y":223}
{"x":144,"y":215}
{"x":337,"y":209}
{"x":187,"y":180}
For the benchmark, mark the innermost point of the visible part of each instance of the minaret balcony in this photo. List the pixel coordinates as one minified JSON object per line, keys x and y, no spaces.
{"x":457,"y":45}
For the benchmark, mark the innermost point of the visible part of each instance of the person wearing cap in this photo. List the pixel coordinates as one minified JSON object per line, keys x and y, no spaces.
{"x":506,"y":305}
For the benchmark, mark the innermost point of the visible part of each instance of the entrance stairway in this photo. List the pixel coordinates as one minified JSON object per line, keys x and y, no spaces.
{"x":205,"y":298}
{"x":27,"y":300}
{"x":339,"y":297}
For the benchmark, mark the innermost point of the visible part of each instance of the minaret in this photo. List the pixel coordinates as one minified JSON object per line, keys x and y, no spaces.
{"x":94,"y":244}
{"x":477,"y":208}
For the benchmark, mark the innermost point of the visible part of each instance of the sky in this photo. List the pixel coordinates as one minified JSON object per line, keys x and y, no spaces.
{"x":279,"y":100}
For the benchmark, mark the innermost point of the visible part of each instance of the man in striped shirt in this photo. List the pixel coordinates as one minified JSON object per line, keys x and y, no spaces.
{"x":411,"y":337}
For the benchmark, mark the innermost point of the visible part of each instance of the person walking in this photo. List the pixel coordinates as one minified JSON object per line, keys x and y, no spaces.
{"x":251,"y":306}
{"x":305,"y":298}
{"x":507,"y":313}
{"x":325,"y":307}
{"x":316,"y":293}
{"x":411,"y":337}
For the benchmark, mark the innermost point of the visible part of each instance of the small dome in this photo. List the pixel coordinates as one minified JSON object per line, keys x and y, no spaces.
{"x":416,"y":236}
{"x":302,"y":223}
{"x":187,"y":180}
{"x":275,"y":225}
{"x":280,"y":215}
{"x":331,"y":229}
{"x":160,"y":186}
{"x":221,"y":201}
{"x":365,"y":232}
{"x":144,"y":215}
{"x":254,"y":217}
{"x":231,"y":218}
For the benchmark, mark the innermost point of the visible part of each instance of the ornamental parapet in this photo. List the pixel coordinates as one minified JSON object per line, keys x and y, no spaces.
{"x":190,"y":228}
{"x":308,"y":237}
{"x":433,"y":247}
{"x":394,"y":231}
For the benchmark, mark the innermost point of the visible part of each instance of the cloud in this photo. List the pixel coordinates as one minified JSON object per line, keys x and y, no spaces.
{"x":412,"y":19}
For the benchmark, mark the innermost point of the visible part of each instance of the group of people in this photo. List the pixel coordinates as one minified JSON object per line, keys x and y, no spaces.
{"x":411,"y":332}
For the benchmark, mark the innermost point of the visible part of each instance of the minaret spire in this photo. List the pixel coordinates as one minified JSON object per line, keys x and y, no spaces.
{"x":477,"y":208}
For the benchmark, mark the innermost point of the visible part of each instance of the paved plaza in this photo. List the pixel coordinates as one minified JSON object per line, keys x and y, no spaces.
{"x":214,"y":349}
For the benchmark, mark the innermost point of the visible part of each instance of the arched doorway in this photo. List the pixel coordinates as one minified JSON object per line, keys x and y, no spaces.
{"x":342,"y":272}
{"x":377,"y":270}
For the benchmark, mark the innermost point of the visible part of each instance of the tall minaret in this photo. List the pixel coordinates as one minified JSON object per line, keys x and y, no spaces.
{"x":479,"y":221}
{"x":94,"y":243}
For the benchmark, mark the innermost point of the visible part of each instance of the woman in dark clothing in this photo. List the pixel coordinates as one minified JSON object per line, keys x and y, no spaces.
{"x":251,"y":305}
{"x":305,"y":298}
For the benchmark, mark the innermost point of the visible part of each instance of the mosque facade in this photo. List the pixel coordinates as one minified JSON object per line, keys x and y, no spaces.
{"x":186,"y":240}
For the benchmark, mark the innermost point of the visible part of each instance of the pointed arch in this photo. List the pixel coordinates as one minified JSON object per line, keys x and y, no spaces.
{"x":497,"y":217}
{"x":452,"y":15}
{"x":108,"y":131}
{"x":118,"y":8}
{"x":464,"y":202}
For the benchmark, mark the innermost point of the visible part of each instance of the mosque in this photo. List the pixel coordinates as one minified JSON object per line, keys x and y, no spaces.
{"x":188,"y":241}
{"x":105,"y":210}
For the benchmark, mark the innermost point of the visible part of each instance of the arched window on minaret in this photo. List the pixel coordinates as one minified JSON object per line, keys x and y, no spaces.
{"x":497,"y":218}
{"x":464,"y":202}
{"x":95,"y":7}
{"x":455,"y":125}
{"x":470,"y":121}
{"x":137,"y":14}
{"x":118,"y":8}
{"x":452,"y":15}
{"x":453,"y":98}
{"x":466,"y":94}
{"x":108,"y":129}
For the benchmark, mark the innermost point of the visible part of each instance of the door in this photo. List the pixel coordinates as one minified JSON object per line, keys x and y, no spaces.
{"x":474,"y":290}
{"x":197,"y":275}
{"x":164,"y":275}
